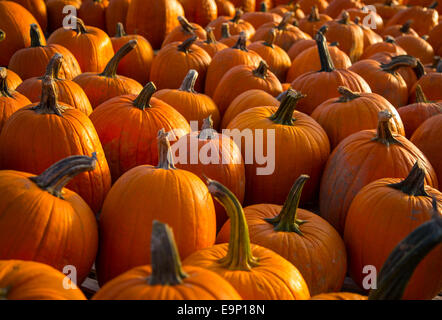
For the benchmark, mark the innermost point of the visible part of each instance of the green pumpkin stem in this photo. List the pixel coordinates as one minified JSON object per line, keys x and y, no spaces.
{"x":120,"y":31}
{"x":53,"y":67}
{"x":207,"y":132}
{"x":384,"y":134}
{"x":239,"y":255}
{"x":80,"y":26}
{"x":166,"y":263}
{"x":324,"y":55}
{"x":59,"y":174}
{"x":270,"y":39}
{"x":188,"y":84}
{"x":287,"y":220}
{"x":420,"y":95}
{"x":186,"y":26}
{"x":4,"y":89}
{"x":142,"y":100}
{"x":165,"y":157}
{"x":48,"y":101}
{"x":110,"y":71}
{"x":314,"y":15}
{"x":186,"y":44}
{"x":284,"y":114}
{"x":241,"y":43}
{"x":237,"y":16}
{"x":406,"y":256}
{"x":35,"y":36}
{"x":414,"y":183}
{"x":210,"y":36}
{"x":261,"y":70}
{"x":346,"y":94}
{"x":405,"y":28}
{"x":225,"y":31}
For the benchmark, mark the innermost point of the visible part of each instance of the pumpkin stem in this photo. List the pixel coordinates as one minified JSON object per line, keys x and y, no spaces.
{"x":241,"y":43}
{"x":285,"y":21}
{"x":57,"y":176}
{"x":4,"y":90}
{"x":210,"y":36}
{"x":188,"y":83}
{"x":414,"y":183}
{"x":270,"y":39}
{"x":142,"y":100}
{"x":324,"y":55}
{"x":314,"y":14}
{"x":207,"y":132}
{"x":35,"y":36}
{"x":433,"y":5}
{"x":436,"y":60}
{"x":2,"y":35}
{"x":225,"y":31}
{"x":120,"y":31}
{"x":48,"y":101}
{"x":186,"y":26}
{"x":166,"y":263}
{"x":239,"y":255}
{"x":346,"y":94}
{"x":110,"y":71}
{"x":263,"y":7}
{"x":420,"y":95}
{"x":389,"y":39}
{"x":282,"y":95}
{"x":79,"y":26}
{"x":237,"y":16}
{"x":284,"y":114}
{"x":384,"y":134}
{"x":287,"y":221}
{"x":345,"y":18}
{"x":261,"y":71}
{"x":165,"y":157}
{"x":54,"y":65}
{"x":334,"y":44}
{"x":406,"y":256}
{"x":439,"y":67}
{"x":405,"y":28}
{"x":399,"y":61}
{"x":185,"y":45}
{"x":4,"y":293}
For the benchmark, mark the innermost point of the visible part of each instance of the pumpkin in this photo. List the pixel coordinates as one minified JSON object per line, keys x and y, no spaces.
{"x":300,"y":147}
{"x":10,"y":100}
{"x":62,"y":131}
{"x":263,"y":5}
{"x":14,"y":25}
{"x":348,"y":34}
{"x":219,"y":157}
{"x":100,"y":87}
{"x":93,"y":13}
{"x":127,"y":126}
{"x":183,"y":31}
{"x":384,"y":78}
{"x":249,"y":268}
{"x":68,"y":91}
{"x":165,"y":278}
{"x":388,"y":9}
{"x":174,"y":61}
{"x":146,"y":193}
{"x":28,"y":280}
{"x":313,"y":22}
{"x":225,"y":8}
{"x":116,"y":12}
{"x":370,"y":36}
{"x":296,"y":11}
{"x":226,"y":38}
{"x":335,"y":7}
{"x":247,"y":100}
{"x":153,"y":19}
{"x":38,"y":9}
{"x":13,"y":80}
{"x":423,"y":19}
{"x":290,"y":232}
{"x":434,"y":38}
{"x":431,"y":67}
{"x":261,"y":16}
{"x":200,"y":11}
{"x":298,"y":47}
{"x":226,"y":59}
{"x":242,"y":78}
{"x":322,"y":85}
{"x":245,"y":5}
{"x":55,"y":12}
{"x":307,"y":5}
{"x":416,"y":47}
{"x":40,"y":56}
{"x":413,"y":115}
{"x":373,"y":19}
{"x":396,"y":207}
{"x":192,"y":105}
{"x":90,"y":46}
{"x":137,"y":63}
{"x":430,"y":84}
{"x":399,"y":30}
{"x":426,"y":137}
{"x":277,"y":59}
{"x":364,"y":157}
{"x":51,"y":206}
{"x":236,"y":25}
{"x":210,"y":45}
{"x":362,"y":108}
{"x":388,"y":45}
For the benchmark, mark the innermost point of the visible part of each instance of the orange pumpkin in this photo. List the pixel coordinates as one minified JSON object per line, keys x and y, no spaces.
{"x":146,"y":193}
{"x":298,"y":47}
{"x":93,"y":13}
{"x":398,"y":30}
{"x":236,"y":25}
{"x":116,"y":12}
{"x":249,"y":268}
{"x":416,"y":47}
{"x":225,"y":8}
{"x":51,"y":206}
{"x":430,"y":84}
{"x":200,"y":11}
{"x":313,"y":22}
{"x":183,"y":31}
{"x":335,"y":7}
{"x":388,"y":9}
{"x":245,"y":5}
{"x":210,"y":45}
{"x":38,"y":9}
{"x":227,"y":38}
{"x":373,"y":19}
{"x":307,"y":5}
{"x":387,"y":46}
{"x":370,"y":36}
{"x":423,"y":19}
{"x":13,"y":80}
{"x":261,"y":16}
{"x":434,"y":38}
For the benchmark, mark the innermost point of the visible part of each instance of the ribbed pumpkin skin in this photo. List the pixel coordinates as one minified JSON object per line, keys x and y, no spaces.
{"x":27,"y":134}
{"x":247,"y":100}
{"x":153,"y":19}
{"x":211,"y":48}
{"x":35,"y":225}
{"x":298,"y":47}
{"x":416,"y":47}
{"x":319,"y":254}
{"x":93,"y":13}
{"x":235,"y":28}
{"x":200,"y":11}
{"x":382,"y":47}
{"x":13,"y":80}
{"x":356,"y":162}
{"x":8,"y":105}
{"x":245,"y":5}
{"x":201,"y":284}
{"x":378,"y":219}
{"x":35,"y":281}
{"x":38,"y":9}
{"x":146,"y":193}
{"x":128,"y":134}
{"x":258,"y":18}
{"x":305,"y":137}
{"x":311,"y":27}
{"x":285,"y":38}
{"x":426,"y":138}
{"x":424,"y":19}
{"x":342,"y":119}
{"x":15,"y":21}
{"x":339,"y":296}
{"x":116,"y":12}
{"x":431,"y":84}
{"x":435,"y":39}
{"x":178,"y":34}
{"x":335,"y":7}
{"x":263,"y":282}
{"x":413,"y":115}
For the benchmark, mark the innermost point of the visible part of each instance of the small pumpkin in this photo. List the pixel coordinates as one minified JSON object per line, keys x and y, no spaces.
{"x":116,"y":12}
{"x":261,"y":16}
{"x":93,"y":13}
{"x":373,"y":19}
{"x":201,"y":12}
{"x":370,"y":36}
{"x":183,"y":31}
{"x":388,"y":45}
{"x":416,"y":47}
{"x":210,"y":45}
{"x":236,"y":25}
{"x":298,"y":47}
{"x":398,"y":30}
{"x":313,"y":21}
{"x":227,"y":38}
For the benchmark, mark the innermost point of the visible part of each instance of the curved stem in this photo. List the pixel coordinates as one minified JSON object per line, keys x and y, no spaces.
{"x":345,"y":18}
{"x":59,"y":174}
{"x":225,"y":31}
{"x":188,"y":83}
{"x":324,"y":55}
{"x":207,"y":132}
{"x":79,"y":26}
{"x":284,"y":114}
{"x":285,"y":21}
{"x":406,"y":256}
{"x":4,"y":90}
{"x":420,"y":95}
{"x":210,"y":36}
{"x":287,"y":221}
{"x":110,"y":71}
{"x":237,"y":16}
{"x":48,"y":101}
{"x":270,"y":39}
{"x":241,"y":43}
{"x":142,"y":100}
{"x":314,"y":14}
{"x":165,"y":157}
{"x":35,"y":36}
{"x":186,"y":26}
{"x":261,"y":71}
{"x":399,"y":61}
{"x":405,"y":28}
{"x":239,"y":255}
{"x":53,"y":67}
{"x":120,"y":31}
{"x":166,"y":263}
{"x":384,"y":134}
{"x":346,"y":94}
{"x":414,"y":183}
{"x":185,"y":45}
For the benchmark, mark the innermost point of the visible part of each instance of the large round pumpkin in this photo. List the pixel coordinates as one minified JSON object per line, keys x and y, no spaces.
{"x":423,"y":19}
{"x":116,"y":12}
{"x":200,"y":11}
{"x":93,"y":13}
{"x":313,"y":21}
